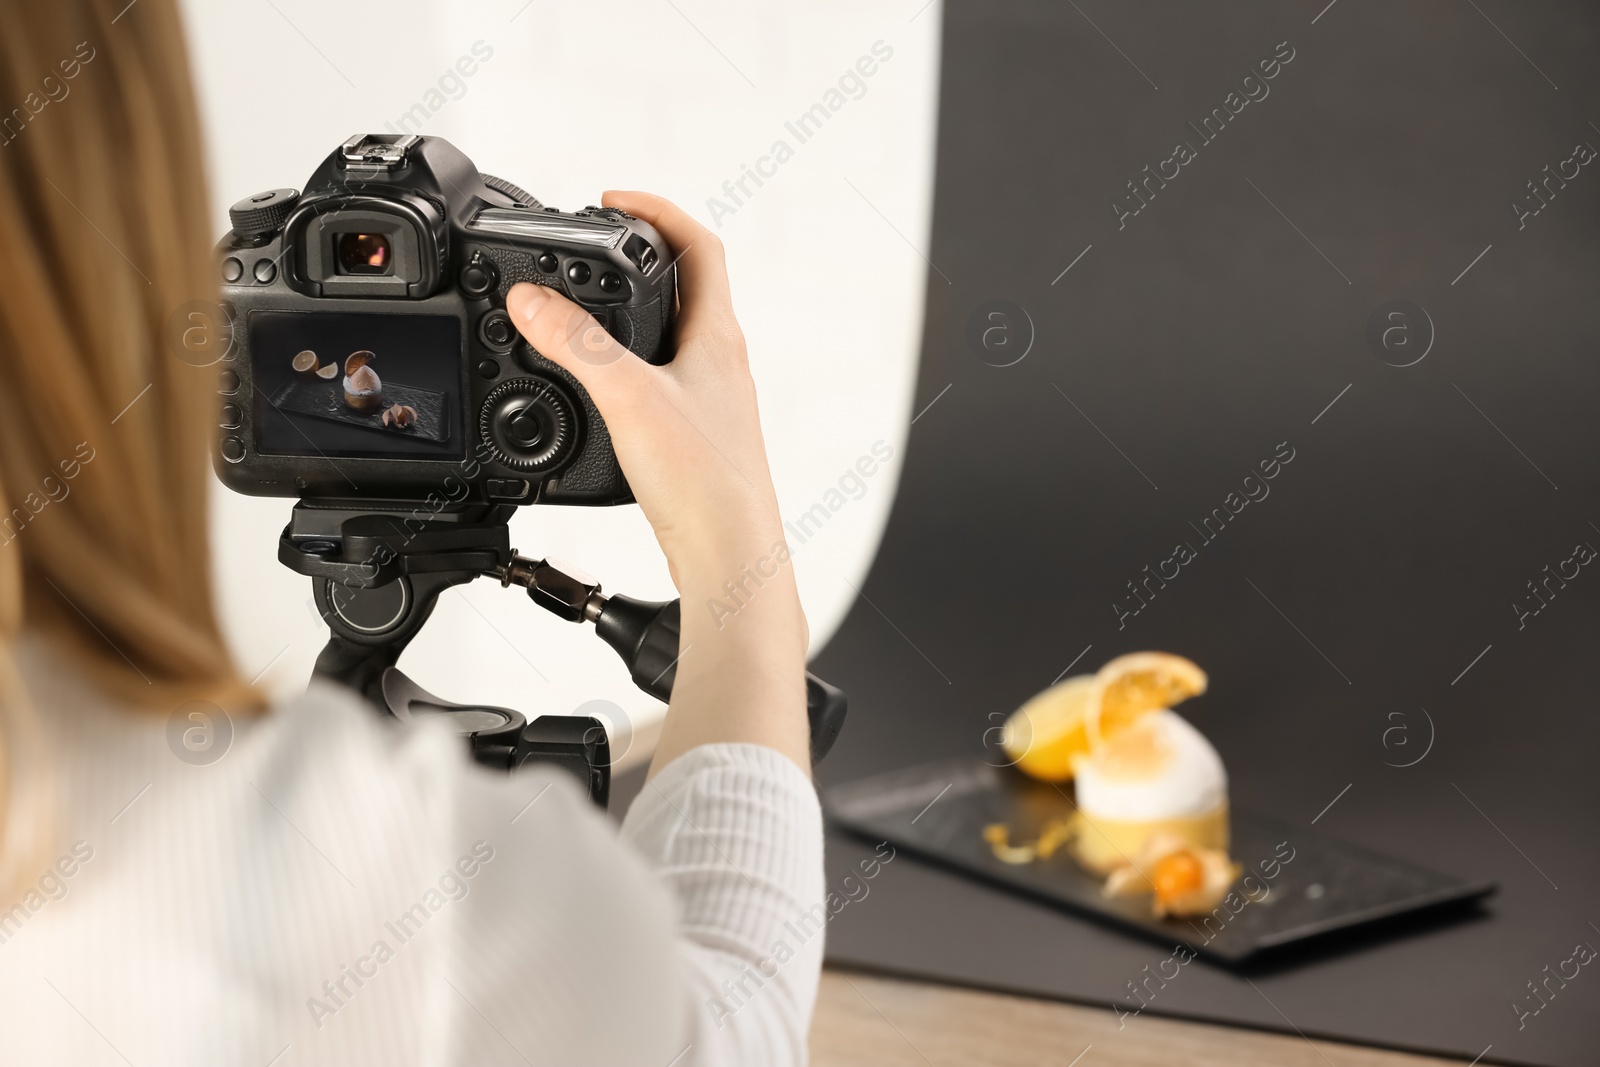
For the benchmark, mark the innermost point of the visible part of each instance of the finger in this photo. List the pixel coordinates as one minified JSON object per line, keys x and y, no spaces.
{"x":569,"y":336}
{"x":703,"y":267}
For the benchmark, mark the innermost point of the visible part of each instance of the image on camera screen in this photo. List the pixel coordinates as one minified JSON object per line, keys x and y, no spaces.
{"x":356,"y":385}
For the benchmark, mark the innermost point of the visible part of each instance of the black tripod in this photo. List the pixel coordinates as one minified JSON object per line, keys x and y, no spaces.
{"x":377,"y":575}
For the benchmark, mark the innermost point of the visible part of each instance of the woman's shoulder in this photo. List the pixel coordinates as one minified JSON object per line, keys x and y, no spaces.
{"x":328,"y":737}
{"x":328,"y":749}
{"x":324,"y":870}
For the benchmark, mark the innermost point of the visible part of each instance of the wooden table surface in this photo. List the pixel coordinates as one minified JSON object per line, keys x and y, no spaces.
{"x":869,"y":1021}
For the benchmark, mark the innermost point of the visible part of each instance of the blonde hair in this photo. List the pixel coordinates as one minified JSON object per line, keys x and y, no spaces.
{"x":105,"y":432}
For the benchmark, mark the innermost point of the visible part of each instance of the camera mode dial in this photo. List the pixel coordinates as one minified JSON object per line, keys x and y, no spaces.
{"x":530,"y":423}
{"x":263,"y":214}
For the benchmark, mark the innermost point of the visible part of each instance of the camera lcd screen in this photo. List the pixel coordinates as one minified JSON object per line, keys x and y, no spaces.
{"x":331,"y":384}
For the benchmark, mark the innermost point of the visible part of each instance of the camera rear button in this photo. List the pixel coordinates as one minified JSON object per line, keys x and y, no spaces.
{"x":549,"y":264}
{"x":579,"y":273}
{"x":495,"y":330}
{"x":228,"y":382}
{"x":507,"y":488}
{"x":232,"y":270}
{"x":265,"y":271}
{"x":230,"y":416}
{"x":479,"y":277}
{"x":488,"y":369}
{"x":232,"y":449}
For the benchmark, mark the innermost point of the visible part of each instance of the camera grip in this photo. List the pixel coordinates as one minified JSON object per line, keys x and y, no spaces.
{"x":646,"y":635}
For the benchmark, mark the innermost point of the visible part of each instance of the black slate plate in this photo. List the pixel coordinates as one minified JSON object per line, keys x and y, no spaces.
{"x":1296,"y":884}
{"x":325,"y":400}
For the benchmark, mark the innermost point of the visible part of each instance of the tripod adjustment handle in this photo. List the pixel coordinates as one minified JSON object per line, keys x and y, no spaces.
{"x":646,"y":634}
{"x":567,"y":593}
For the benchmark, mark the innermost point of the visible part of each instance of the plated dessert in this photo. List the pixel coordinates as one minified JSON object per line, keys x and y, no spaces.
{"x":363,"y":390}
{"x":1150,"y":791}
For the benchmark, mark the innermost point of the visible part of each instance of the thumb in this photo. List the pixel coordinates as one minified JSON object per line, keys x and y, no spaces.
{"x":570,"y":337}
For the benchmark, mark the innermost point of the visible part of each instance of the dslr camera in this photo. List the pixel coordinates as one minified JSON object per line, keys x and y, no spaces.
{"x":374,"y":375}
{"x":373,"y":362}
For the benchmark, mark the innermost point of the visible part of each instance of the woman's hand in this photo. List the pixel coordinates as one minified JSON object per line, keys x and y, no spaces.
{"x":688,"y":437}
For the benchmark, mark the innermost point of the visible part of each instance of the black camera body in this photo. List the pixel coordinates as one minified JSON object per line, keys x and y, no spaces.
{"x":373,"y":363}
{"x":371,"y":370}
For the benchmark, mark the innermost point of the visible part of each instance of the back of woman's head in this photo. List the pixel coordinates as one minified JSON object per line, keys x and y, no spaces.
{"x":104,"y":430}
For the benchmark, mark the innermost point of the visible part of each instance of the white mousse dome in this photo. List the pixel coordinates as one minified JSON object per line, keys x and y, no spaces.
{"x":1158,"y":767}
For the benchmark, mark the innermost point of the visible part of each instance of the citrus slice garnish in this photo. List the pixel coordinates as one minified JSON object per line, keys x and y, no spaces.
{"x":1046,"y":734}
{"x":1133,"y":685}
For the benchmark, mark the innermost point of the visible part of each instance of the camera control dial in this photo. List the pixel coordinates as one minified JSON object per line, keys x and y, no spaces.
{"x":530,"y":423}
{"x":258,"y":216}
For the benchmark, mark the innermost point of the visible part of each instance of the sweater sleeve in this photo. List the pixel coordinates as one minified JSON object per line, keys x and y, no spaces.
{"x":735,"y":833}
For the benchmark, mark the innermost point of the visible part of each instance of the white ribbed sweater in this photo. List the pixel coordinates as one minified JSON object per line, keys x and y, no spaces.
{"x":338,"y":890}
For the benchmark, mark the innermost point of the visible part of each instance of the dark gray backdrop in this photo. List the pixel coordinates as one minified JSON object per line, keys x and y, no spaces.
{"x":1376,"y":580}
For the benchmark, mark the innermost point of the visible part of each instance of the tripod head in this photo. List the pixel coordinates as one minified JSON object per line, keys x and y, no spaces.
{"x":377,"y":573}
